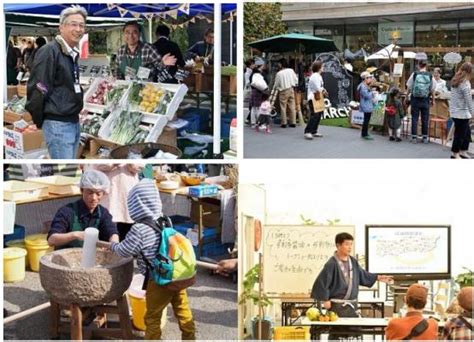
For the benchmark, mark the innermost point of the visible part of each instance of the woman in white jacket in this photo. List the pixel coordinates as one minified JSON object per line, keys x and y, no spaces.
{"x":461,"y":109}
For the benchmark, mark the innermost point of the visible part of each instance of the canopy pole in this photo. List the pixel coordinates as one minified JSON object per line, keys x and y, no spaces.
{"x":217,"y":78}
{"x":150,"y":30}
{"x":231,"y":22}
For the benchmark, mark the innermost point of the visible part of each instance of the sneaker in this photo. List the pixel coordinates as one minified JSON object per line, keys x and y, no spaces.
{"x":425,"y":140}
{"x":317,"y":135}
{"x":268,"y":130}
{"x":308,"y":136}
{"x":464,"y":155}
{"x":368,"y":137}
{"x":398,"y":139}
{"x":292,"y":125}
{"x":414,"y":140}
{"x":391,"y":139}
{"x":283,"y":126}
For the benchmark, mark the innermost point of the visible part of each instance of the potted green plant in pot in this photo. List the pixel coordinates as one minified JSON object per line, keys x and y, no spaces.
{"x":252,"y":278}
{"x":465,"y":279}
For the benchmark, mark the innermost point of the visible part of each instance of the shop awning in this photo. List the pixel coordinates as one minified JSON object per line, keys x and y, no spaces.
{"x":294,"y":42}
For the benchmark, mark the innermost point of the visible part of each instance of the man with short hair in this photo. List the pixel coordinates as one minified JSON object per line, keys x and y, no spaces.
{"x":54,"y":93}
{"x":69,"y":223}
{"x":135,"y":54}
{"x":285,"y":81}
{"x":203,"y":51}
{"x":165,"y":46}
{"x":460,"y":328}
{"x":421,"y":88}
{"x":413,"y":326}
{"x":337,"y":285}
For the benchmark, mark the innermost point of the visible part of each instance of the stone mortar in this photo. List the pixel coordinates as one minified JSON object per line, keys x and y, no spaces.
{"x":68,"y":283}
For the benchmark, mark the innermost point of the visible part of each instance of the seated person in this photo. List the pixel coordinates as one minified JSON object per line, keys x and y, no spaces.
{"x":69,"y":223}
{"x":460,"y":327}
{"x":413,"y":326}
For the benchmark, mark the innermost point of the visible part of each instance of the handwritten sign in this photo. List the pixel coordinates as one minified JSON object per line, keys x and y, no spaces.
{"x":293,"y":256}
{"x":337,"y":80}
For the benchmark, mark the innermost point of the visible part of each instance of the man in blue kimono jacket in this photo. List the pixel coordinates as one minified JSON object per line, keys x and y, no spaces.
{"x":337,"y":285}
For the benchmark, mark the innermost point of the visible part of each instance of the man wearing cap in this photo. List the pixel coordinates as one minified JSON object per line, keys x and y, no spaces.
{"x":460,"y":328}
{"x":69,"y":223}
{"x":366,"y":102}
{"x":413,"y":326}
{"x":421,"y":88}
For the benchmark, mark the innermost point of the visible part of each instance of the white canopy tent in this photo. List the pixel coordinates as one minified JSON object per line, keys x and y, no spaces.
{"x":392,"y":52}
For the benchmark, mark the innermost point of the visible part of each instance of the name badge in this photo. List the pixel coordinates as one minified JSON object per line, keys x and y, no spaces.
{"x":143,"y":73}
{"x":77,"y":88}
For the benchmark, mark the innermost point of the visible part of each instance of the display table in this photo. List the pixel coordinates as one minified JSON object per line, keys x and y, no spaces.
{"x":290,"y":303}
{"x":364,"y":326}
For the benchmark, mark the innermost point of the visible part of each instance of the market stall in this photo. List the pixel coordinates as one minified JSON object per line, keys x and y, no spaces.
{"x":160,"y":113}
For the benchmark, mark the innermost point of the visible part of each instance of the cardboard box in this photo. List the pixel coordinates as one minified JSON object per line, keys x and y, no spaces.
{"x":41,"y":153}
{"x":21,"y":90}
{"x":168,"y":137}
{"x":11,"y":91}
{"x":11,"y":117}
{"x":22,"y":142}
{"x":203,"y":190}
{"x":97,"y":143}
{"x":211,"y":213}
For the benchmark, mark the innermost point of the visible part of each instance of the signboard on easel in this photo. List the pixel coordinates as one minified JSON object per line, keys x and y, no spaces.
{"x":293,"y":256}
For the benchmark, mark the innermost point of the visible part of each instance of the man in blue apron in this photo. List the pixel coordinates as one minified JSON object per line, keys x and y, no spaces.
{"x":337,"y":285}
{"x":135,"y":54}
{"x":69,"y":223}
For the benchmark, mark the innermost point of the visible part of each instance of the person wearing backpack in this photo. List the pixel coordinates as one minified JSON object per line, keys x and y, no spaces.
{"x":149,"y":240}
{"x":421,"y":88}
{"x":413,"y":326}
{"x":460,"y":328}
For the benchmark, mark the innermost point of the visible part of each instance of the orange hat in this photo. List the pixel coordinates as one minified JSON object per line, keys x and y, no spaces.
{"x":465,"y":298}
{"x":417,"y":291}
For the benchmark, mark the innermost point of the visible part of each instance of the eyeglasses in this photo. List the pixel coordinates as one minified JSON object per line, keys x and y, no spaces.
{"x":75,"y":24}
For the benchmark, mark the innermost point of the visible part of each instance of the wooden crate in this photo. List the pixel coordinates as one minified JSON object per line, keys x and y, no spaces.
{"x":11,"y":117}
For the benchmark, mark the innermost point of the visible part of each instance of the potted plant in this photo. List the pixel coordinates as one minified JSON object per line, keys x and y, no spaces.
{"x":252,"y":278}
{"x":465,"y":279}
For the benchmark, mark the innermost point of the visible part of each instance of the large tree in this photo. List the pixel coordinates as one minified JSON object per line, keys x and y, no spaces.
{"x":261,"y":20}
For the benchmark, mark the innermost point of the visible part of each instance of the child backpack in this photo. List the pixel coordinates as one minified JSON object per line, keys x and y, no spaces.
{"x":174,"y":266}
{"x":421,"y":84}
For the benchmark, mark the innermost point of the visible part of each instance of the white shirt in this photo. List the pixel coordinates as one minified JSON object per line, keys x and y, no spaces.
{"x":440,"y":86}
{"x":315,"y":84}
{"x":285,"y":79}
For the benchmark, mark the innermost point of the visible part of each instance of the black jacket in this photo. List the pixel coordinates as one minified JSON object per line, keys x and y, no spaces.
{"x":50,"y":90}
{"x":164,"y":46}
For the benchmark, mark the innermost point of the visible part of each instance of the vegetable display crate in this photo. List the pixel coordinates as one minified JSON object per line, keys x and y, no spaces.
{"x":94,"y":89}
{"x":156,"y":121}
{"x":23,"y":191}
{"x":59,"y":185}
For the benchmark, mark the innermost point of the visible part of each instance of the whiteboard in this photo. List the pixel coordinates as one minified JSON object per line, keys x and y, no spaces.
{"x":408,"y":250}
{"x":294,"y":255}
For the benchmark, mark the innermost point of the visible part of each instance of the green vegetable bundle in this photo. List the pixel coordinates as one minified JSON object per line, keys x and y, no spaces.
{"x":126,"y":127}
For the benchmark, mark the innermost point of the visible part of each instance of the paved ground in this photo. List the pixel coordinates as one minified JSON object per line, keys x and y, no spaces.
{"x":213,"y":301}
{"x":337,"y":143}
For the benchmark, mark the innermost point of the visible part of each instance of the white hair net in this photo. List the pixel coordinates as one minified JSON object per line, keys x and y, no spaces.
{"x":96,"y":180}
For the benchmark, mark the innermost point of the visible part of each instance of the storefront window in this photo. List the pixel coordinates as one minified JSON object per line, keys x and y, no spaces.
{"x":436,"y":34}
{"x":361,"y":37}
{"x":334,"y":32}
{"x":466,"y":33}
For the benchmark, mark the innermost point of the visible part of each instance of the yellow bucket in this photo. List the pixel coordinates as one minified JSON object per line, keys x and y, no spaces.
{"x":37,"y":246}
{"x":13,"y":264}
{"x":19,"y":244}
{"x":138,"y":305}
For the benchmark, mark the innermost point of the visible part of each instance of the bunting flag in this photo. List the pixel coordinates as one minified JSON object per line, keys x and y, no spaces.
{"x":122,"y":11}
{"x":193,"y":20}
{"x":173,"y":14}
{"x":149,"y":16}
{"x":111,"y":6}
{"x":136,"y":15}
{"x":184,"y":8}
